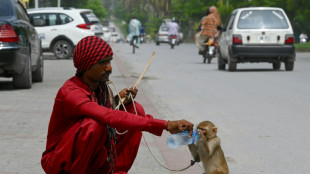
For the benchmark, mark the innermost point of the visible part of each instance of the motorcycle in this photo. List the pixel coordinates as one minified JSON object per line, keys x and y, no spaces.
{"x":173,"y":40}
{"x":142,"y":38}
{"x":209,"y":51}
{"x":303,"y":40}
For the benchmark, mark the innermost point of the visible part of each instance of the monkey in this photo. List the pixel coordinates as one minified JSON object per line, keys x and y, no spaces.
{"x":208,"y":149}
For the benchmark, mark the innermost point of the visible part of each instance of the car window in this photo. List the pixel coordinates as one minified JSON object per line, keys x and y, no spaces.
{"x":262,"y":19}
{"x":164,"y":28}
{"x":43,"y":19}
{"x":5,"y":8}
{"x":89,"y":17}
{"x":65,"y":18}
{"x":38,"y":20}
{"x":231,"y":22}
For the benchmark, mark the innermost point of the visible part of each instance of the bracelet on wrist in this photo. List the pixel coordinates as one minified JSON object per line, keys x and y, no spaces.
{"x":166,"y":125}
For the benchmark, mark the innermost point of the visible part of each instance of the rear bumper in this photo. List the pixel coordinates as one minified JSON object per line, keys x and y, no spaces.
{"x":12,"y":59}
{"x":162,"y":39}
{"x":258,"y":51}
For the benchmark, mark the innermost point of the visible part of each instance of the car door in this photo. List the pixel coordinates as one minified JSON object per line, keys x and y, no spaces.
{"x":226,"y":37}
{"x":47,"y":31}
{"x":33,"y":38}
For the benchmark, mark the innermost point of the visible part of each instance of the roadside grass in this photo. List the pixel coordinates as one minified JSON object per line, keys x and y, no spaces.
{"x":302,"y":46}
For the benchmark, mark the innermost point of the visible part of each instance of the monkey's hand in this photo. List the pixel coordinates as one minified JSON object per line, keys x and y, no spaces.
{"x":194,"y":151}
{"x":178,"y":126}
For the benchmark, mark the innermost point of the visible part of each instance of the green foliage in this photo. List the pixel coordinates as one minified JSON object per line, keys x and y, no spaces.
{"x":189,"y":12}
{"x":96,"y":6}
{"x":302,"y":46}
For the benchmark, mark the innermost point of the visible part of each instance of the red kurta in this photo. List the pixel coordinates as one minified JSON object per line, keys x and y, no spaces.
{"x":77,"y":133}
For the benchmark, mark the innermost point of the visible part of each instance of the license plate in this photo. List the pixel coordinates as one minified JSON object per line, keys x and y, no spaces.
{"x":263,"y":38}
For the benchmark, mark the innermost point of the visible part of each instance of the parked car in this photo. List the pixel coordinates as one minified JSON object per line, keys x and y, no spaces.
{"x":257,"y":34}
{"x":20,"y":46}
{"x":62,"y":28}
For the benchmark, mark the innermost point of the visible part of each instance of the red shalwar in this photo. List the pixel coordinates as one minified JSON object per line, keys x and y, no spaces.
{"x":79,"y":140}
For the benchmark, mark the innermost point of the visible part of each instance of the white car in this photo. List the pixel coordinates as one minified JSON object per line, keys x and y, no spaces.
{"x":106,"y":34}
{"x":115,"y":37}
{"x":257,"y":34}
{"x":60,"y":29}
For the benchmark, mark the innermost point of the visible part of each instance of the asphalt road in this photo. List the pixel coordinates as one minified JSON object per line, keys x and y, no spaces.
{"x":261,"y":114}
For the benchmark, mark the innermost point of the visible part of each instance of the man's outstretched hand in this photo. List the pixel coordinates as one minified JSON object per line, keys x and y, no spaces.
{"x":178,"y":126}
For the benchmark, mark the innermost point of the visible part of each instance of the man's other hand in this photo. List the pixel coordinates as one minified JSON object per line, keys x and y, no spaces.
{"x":125,"y":93}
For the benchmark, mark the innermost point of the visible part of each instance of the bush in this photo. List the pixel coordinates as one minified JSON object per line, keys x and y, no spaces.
{"x":302,"y":46}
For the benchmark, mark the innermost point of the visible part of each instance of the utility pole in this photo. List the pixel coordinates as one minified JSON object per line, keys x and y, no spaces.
{"x":58,"y":3}
{"x":36,"y":4}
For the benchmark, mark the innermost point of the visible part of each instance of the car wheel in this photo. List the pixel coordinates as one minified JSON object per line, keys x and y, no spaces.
{"x":220,"y":62}
{"x":276,"y":65}
{"x":37,"y":75}
{"x":232,"y":64}
{"x":289,"y":66}
{"x":62,"y":49}
{"x":24,"y":80}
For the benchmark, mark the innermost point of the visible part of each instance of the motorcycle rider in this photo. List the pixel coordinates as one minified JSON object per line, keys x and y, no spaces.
{"x":134,"y":27}
{"x":173,"y":29}
{"x":208,"y":28}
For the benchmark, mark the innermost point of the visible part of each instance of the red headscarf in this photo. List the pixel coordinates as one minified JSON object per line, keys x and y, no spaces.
{"x":88,"y":51}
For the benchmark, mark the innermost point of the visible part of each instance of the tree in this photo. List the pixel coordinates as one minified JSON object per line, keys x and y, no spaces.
{"x":95,"y":5}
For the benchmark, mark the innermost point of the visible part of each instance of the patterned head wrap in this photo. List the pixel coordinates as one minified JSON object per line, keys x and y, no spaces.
{"x":88,"y":51}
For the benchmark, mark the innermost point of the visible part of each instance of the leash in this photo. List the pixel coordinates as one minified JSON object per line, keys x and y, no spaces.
{"x":121,"y":103}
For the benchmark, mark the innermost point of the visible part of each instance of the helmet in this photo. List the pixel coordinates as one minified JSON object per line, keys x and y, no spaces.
{"x":173,"y":19}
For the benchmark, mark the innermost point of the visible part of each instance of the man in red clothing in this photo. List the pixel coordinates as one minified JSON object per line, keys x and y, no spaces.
{"x":82,"y":134}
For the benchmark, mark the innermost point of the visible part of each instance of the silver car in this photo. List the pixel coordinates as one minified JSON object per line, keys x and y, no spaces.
{"x":162,"y":35}
{"x":257,"y":34}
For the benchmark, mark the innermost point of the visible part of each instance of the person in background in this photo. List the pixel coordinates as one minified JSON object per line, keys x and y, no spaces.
{"x":85,"y":134}
{"x":134,"y":28}
{"x":173,"y":29}
{"x":303,"y":38}
{"x":208,"y":28}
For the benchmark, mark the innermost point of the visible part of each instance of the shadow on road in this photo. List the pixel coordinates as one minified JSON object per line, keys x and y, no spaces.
{"x":6,"y":85}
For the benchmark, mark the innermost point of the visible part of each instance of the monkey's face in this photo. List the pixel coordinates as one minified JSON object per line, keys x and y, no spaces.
{"x":208,"y":131}
{"x":202,"y":131}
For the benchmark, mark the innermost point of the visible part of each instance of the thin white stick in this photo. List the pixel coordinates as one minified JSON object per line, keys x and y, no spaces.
{"x":144,"y":71}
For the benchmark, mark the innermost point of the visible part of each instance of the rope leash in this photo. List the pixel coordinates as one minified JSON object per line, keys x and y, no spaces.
{"x":192,"y":162}
{"x":121,"y":103}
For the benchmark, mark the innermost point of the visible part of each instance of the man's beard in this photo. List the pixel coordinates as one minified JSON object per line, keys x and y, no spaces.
{"x":105,"y":76}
